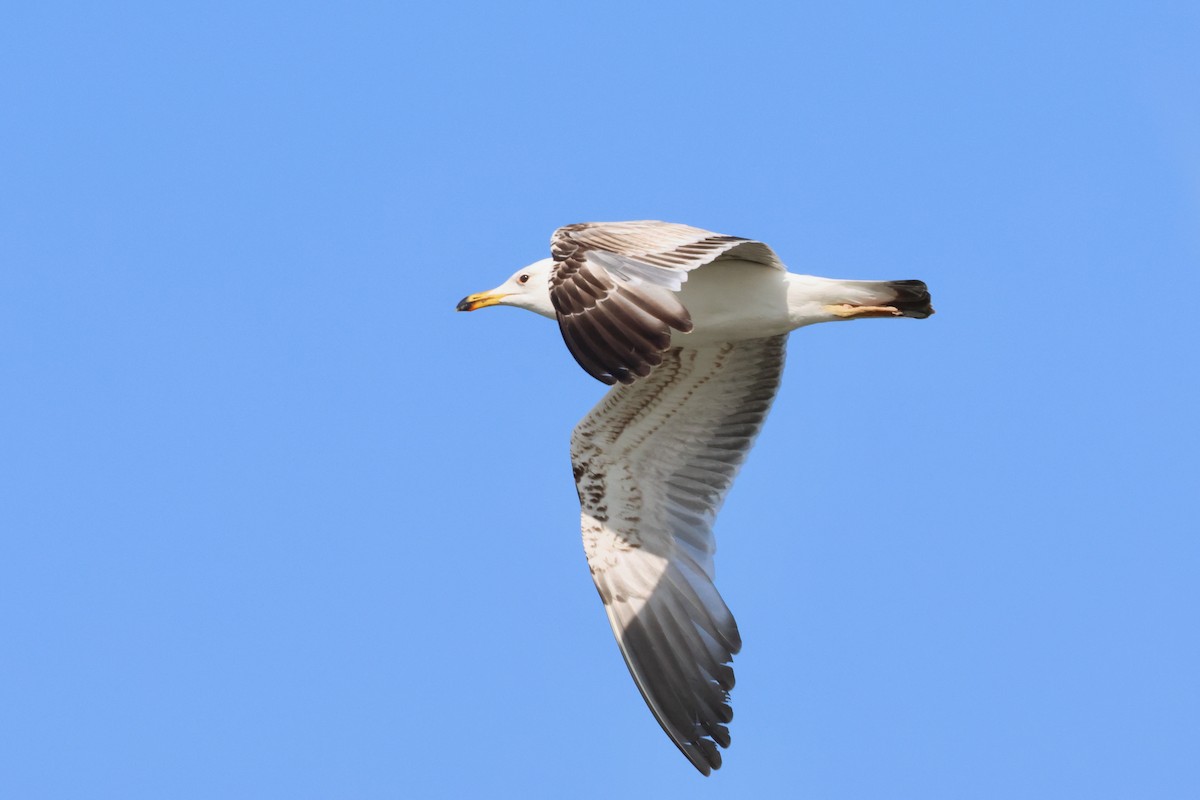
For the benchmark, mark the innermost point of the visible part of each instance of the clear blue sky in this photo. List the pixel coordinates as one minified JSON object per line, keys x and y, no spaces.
{"x":276,"y":522}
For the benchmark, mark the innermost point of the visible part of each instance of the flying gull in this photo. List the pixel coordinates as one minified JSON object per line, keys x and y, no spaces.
{"x":689,"y":326}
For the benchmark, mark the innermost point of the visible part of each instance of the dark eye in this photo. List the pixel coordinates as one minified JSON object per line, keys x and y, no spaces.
{"x":523,"y":279}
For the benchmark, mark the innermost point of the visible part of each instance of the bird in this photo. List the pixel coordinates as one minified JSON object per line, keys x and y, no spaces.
{"x":689,"y":328}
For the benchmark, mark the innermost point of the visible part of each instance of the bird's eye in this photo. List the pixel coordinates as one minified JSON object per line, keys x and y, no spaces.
{"x":523,"y":279}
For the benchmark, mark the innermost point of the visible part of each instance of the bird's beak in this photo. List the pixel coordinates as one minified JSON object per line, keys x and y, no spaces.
{"x":480,"y":300}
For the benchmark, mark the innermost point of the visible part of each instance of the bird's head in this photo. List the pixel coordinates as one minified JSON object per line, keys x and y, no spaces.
{"x":528,"y":288}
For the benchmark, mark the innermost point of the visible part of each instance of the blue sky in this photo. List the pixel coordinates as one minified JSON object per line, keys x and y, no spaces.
{"x":276,"y":522}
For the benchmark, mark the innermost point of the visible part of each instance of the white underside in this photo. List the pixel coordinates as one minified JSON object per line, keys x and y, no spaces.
{"x":734,"y":300}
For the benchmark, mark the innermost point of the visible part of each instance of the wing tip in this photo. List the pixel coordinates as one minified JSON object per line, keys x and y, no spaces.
{"x":703,"y":754}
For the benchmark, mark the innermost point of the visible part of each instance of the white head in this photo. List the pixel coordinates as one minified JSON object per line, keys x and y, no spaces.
{"x":528,"y":288}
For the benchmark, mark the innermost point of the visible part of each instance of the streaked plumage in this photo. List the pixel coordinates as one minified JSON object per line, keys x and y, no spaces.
{"x":691,"y":326}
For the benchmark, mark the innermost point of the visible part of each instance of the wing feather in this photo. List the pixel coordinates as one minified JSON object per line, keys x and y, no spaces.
{"x":621,"y":278}
{"x":654,"y":461}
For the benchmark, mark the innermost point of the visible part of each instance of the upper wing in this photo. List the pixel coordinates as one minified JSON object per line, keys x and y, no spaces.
{"x":653,"y":462}
{"x":614,"y":285}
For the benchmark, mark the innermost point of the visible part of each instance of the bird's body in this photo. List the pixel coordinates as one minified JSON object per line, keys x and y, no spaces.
{"x":733,"y":300}
{"x":736,"y":300}
{"x":692,"y":325}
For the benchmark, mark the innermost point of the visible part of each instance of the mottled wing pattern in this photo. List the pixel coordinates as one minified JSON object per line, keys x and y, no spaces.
{"x":614,"y":286}
{"x":653,"y":462}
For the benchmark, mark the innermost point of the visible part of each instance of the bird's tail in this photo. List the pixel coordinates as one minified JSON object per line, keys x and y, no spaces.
{"x":850,"y":299}
{"x":911,"y":298}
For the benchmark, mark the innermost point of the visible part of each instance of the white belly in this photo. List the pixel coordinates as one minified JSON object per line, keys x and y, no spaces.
{"x":734,"y":300}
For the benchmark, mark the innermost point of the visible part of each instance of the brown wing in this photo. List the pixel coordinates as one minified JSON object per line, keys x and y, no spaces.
{"x":614,"y":287}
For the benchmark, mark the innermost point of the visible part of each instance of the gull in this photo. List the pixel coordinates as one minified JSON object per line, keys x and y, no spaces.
{"x":689,"y":327}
